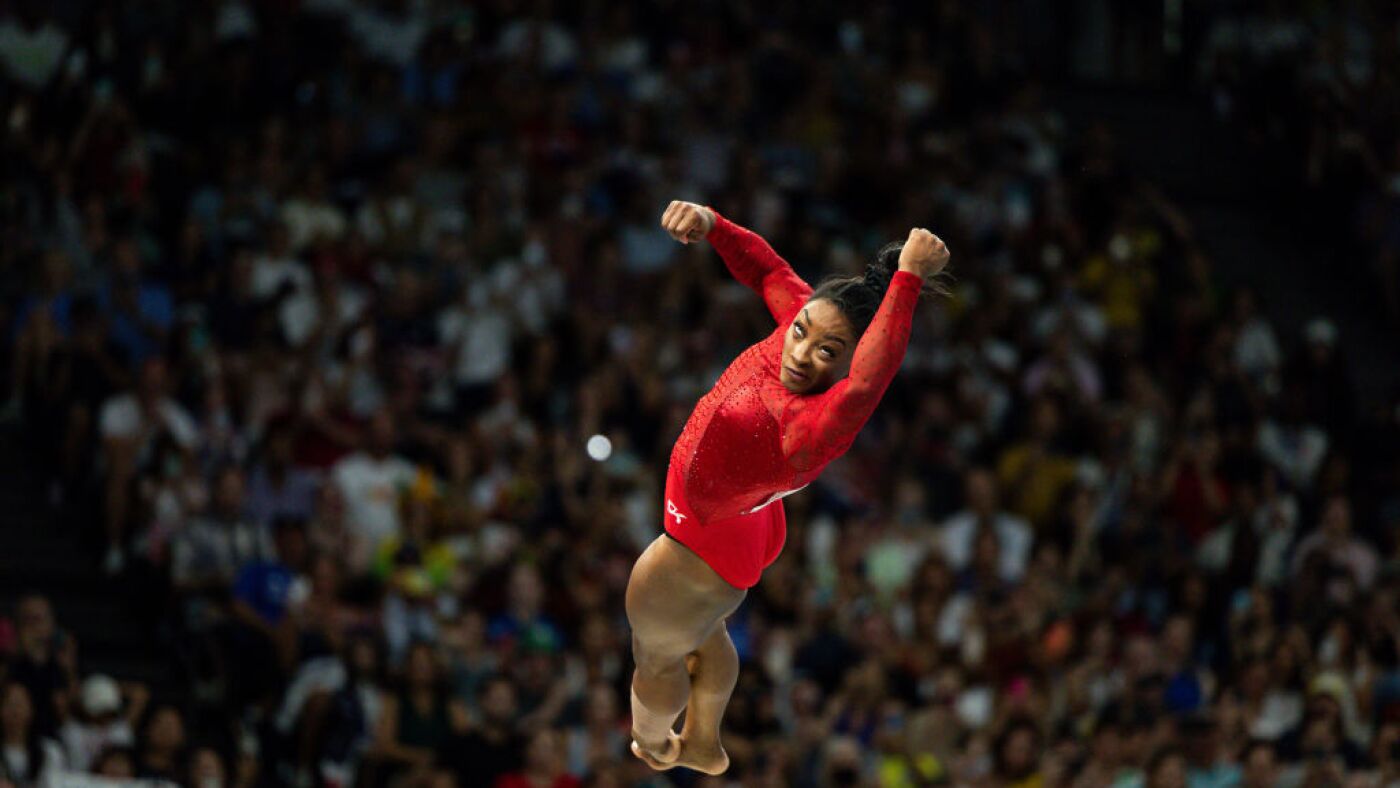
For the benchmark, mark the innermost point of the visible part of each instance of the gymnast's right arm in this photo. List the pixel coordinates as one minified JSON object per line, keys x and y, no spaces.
{"x":749,"y":258}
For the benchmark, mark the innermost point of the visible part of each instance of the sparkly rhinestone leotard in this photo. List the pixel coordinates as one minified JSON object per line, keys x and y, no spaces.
{"x":750,"y":441}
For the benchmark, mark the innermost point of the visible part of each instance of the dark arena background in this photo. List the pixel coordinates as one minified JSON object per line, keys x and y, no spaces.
{"x":345,"y":353}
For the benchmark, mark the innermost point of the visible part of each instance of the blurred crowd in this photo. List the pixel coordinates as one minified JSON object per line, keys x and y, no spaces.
{"x":313,"y":309}
{"x":1316,"y":85}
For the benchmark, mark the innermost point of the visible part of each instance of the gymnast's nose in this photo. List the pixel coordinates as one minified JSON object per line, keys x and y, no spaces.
{"x":801,"y":354}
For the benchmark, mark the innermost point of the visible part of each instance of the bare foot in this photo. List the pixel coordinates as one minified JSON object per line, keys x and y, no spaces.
{"x":708,"y":757}
{"x":659,"y":760}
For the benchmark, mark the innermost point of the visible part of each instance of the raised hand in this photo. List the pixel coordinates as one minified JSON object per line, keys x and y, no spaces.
{"x":924,"y":254}
{"x":687,"y":222}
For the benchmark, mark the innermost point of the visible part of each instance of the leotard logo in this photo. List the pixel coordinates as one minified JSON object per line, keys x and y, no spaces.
{"x":674,"y":512}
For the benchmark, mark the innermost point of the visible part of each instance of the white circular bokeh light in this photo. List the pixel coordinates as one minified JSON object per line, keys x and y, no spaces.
{"x":599,"y":447}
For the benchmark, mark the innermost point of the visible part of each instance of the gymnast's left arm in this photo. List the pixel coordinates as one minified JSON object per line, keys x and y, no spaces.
{"x":818,"y":429}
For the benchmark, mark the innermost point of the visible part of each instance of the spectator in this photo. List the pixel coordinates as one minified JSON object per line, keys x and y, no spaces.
{"x":1328,"y":388}
{"x":276,"y":269}
{"x":1187,"y":682}
{"x":28,"y":757}
{"x":1320,"y":739}
{"x":264,"y":591}
{"x":45,"y":662}
{"x":104,"y":720}
{"x":206,"y":769}
{"x":87,"y":367}
{"x":208,"y":552}
{"x":277,"y":488}
{"x":1064,"y":371}
{"x":982,"y":512}
{"x":115,"y":763}
{"x":524,"y":615}
{"x":333,"y":705}
{"x":161,"y":750}
{"x":132,"y":425}
{"x":1016,"y":749}
{"x":544,"y":765}
{"x":32,"y":48}
{"x":1384,"y":763}
{"x":600,"y":735}
{"x":470,"y":661}
{"x":140,"y":310}
{"x":1167,"y":769}
{"x":1205,"y":768}
{"x":1352,"y":560}
{"x":370,"y":482}
{"x":1294,"y":447}
{"x":415,"y":725}
{"x":1106,"y":758}
{"x":1260,"y":765}
{"x":1195,"y":495}
{"x":1256,"y":350}
{"x":419,"y":568}
{"x":841,"y":762}
{"x":1034,"y":468}
{"x":492,"y":748}
{"x":477,"y":332}
{"x":309,"y":215}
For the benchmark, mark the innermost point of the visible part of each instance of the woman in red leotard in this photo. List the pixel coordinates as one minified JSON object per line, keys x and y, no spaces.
{"x":785,"y":408}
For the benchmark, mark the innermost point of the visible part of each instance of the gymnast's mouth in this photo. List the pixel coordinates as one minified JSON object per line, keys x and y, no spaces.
{"x":794,"y":373}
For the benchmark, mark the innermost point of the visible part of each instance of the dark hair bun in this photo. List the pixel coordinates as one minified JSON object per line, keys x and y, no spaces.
{"x":879,"y":273}
{"x":858,"y":297}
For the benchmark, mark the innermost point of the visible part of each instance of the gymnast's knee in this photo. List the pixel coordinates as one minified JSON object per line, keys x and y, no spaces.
{"x":654,"y":661}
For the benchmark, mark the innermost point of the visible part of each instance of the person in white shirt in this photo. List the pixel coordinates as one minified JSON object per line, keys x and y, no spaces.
{"x":370,"y":481}
{"x":26,"y":758}
{"x":311,"y":216}
{"x":1256,"y":350}
{"x":32,"y":49}
{"x":478,"y":331}
{"x":102,"y":723}
{"x":207,"y":551}
{"x":1339,"y":547}
{"x":982,"y":510}
{"x":1293,"y":446}
{"x":322,"y":311}
{"x":550,"y":42}
{"x":131,"y":425}
{"x":277,"y":267}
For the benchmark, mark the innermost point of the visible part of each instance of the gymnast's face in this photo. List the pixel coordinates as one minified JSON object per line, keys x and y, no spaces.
{"x":817,"y":349}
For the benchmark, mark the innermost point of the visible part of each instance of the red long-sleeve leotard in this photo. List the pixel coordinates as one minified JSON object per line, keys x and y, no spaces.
{"x":750,"y":441}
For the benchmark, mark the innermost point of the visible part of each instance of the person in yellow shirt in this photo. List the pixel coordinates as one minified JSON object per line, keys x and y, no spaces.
{"x":1031,"y":472}
{"x":911,"y":758}
{"x":418,"y":563}
{"x":1017,"y":755}
{"x":1120,"y":278}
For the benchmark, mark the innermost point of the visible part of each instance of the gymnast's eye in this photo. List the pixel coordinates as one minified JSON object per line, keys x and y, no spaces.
{"x":797,"y":329}
{"x":828,"y":352}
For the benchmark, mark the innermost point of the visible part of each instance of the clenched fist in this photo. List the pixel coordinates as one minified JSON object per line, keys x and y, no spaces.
{"x":924,"y":254}
{"x":687,"y":222}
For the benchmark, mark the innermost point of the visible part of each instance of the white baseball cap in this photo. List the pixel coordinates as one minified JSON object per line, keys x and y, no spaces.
{"x":101,"y":695}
